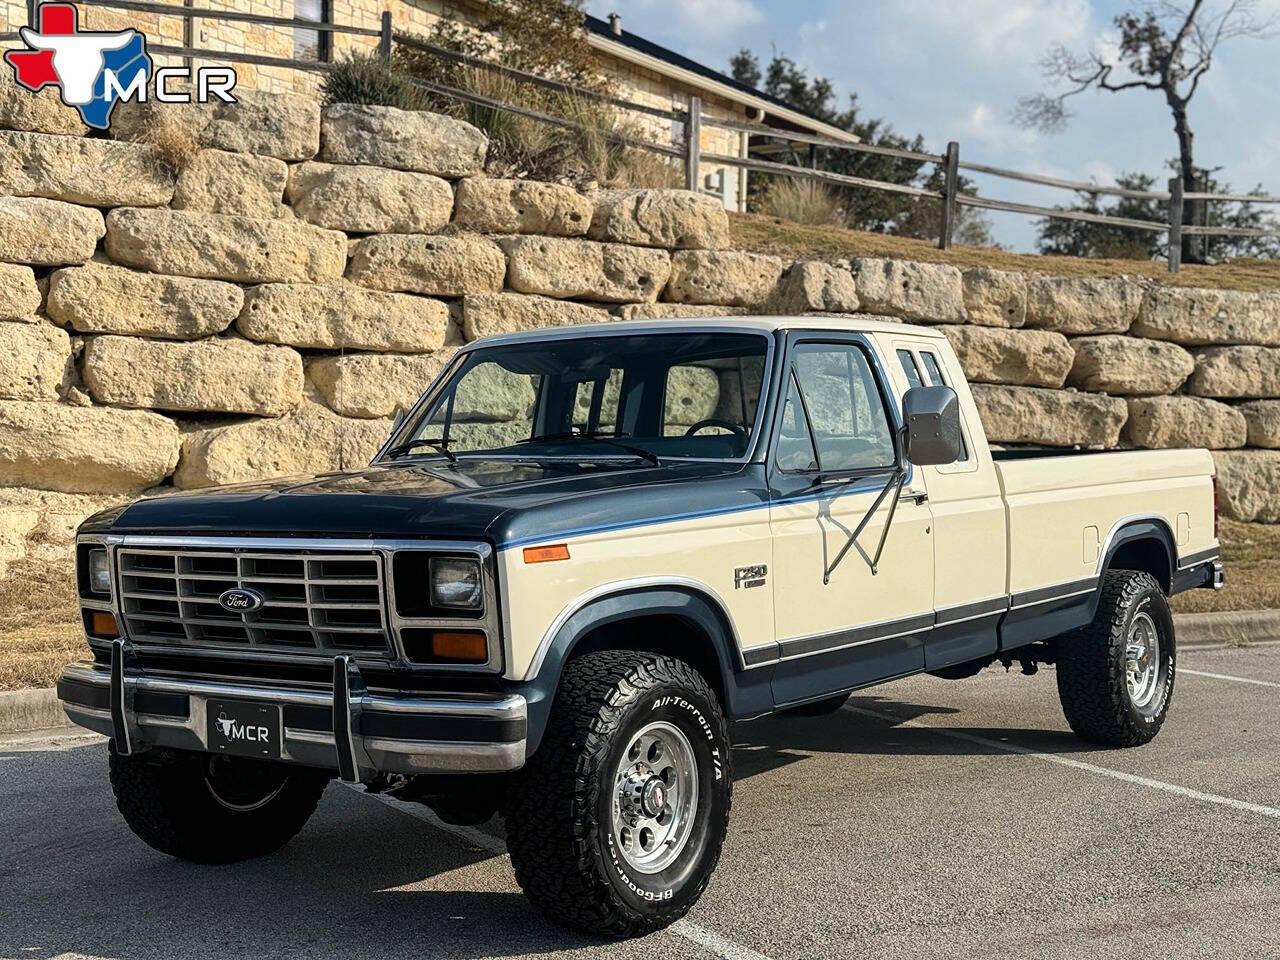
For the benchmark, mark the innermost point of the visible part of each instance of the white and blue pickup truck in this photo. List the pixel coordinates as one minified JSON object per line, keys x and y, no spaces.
{"x":580,"y":556}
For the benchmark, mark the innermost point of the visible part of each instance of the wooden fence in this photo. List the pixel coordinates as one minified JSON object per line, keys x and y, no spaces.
{"x":1185,"y":207}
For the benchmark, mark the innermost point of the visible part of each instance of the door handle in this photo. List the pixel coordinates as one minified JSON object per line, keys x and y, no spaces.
{"x":918,"y":497}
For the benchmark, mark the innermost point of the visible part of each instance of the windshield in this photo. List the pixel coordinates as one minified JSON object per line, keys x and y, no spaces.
{"x":647,"y":396}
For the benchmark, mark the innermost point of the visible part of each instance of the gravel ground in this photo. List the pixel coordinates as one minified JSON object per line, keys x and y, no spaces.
{"x":927,"y":819}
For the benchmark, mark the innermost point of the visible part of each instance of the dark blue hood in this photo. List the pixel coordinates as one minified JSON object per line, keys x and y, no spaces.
{"x":502,"y":501}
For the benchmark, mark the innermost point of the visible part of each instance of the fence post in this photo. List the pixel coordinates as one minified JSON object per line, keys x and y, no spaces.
{"x":692,"y":143}
{"x":950,"y":187}
{"x":1200,"y":217}
{"x":384,"y":37}
{"x":1175,"y":224}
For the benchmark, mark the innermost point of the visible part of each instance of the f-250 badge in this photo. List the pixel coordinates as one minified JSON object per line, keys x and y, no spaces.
{"x":747,"y":577}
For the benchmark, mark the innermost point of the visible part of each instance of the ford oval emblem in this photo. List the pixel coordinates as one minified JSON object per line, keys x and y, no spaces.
{"x":241,"y":600}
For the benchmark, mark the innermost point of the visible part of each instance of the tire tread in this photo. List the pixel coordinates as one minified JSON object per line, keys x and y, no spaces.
{"x":1092,"y":692}
{"x":551,"y":822}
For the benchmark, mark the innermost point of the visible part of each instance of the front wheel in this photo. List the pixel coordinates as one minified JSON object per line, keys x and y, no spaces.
{"x":210,"y":808}
{"x":1115,"y":676}
{"x":618,"y":819}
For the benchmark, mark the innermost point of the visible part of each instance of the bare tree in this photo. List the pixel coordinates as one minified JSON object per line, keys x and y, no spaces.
{"x":1164,"y":46}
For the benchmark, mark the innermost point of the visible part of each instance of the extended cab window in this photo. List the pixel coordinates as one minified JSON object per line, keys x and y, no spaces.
{"x":936,"y":379}
{"x":835,"y":417}
{"x":910,"y":369}
{"x":645,"y":395}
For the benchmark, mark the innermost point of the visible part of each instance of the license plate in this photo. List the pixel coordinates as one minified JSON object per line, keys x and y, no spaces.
{"x":244,"y":729}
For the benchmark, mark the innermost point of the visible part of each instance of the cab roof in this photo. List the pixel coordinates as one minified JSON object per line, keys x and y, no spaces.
{"x":845,"y":323}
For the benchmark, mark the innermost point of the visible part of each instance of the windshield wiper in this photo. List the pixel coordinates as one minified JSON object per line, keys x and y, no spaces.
{"x":610,"y":439}
{"x":442,"y":446}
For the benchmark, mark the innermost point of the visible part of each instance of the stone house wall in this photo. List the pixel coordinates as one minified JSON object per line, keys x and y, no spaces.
{"x":262,"y":311}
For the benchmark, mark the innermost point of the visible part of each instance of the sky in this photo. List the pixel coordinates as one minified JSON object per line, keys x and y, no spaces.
{"x":954,"y":69}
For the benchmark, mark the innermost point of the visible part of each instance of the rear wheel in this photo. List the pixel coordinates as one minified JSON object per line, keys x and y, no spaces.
{"x":617,"y":821}
{"x":210,"y":808}
{"x":1116,"y":675}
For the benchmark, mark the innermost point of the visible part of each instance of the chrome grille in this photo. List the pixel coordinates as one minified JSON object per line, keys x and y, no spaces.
{"x":326,"y":603}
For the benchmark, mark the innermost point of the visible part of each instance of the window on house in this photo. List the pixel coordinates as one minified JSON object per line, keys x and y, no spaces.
{"x":312,"y":44}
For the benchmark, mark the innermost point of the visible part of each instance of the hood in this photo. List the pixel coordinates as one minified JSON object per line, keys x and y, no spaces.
{"x":498,"y":500}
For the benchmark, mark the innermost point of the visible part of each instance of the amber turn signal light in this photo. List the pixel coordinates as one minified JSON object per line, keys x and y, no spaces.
{"x":557,"y":551}
{"x":466,"y":645}
{"x":103,"y":625}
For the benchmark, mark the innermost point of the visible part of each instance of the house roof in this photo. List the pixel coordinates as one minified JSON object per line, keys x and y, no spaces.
{"x":628,"y":46}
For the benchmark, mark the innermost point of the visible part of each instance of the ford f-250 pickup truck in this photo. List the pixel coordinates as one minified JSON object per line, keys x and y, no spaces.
{"x":579,"y":556}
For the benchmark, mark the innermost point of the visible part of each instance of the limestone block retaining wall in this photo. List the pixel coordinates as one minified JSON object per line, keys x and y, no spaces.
{"x":263,"y":309}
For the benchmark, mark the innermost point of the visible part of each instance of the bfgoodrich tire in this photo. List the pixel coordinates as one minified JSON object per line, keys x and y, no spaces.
{"x":1115,"y":676}
{"x":617,"y":821}
{"x":211,"y":808}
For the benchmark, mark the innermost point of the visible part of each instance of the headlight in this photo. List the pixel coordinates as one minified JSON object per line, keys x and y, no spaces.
{"x":99,"y":571}
{"x":455,"y":583}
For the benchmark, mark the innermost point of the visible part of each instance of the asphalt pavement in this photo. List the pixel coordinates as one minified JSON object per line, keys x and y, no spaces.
{"x":927,"y":819}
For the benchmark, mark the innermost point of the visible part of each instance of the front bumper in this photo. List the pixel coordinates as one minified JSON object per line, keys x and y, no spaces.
{"x":351,"y":730}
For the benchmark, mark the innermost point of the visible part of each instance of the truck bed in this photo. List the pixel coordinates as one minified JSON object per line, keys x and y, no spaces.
{"x":1063,"y":507}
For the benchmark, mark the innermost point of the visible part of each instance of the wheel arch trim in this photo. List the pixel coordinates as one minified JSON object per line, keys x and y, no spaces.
{"x":747,"y":693}
{"x":633,"y":585}
{"x":1135,"y":528}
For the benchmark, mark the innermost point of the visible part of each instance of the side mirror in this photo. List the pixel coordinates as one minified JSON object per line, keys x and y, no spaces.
{"x":400,"y":415}
{"x":931,"y":417}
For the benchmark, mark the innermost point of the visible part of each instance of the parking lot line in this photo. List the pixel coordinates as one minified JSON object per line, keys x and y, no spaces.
{"x":1224,"y":676}
{"x":695,"y":933}
{"x":1173,"y":788}
{"x":712,"y":941}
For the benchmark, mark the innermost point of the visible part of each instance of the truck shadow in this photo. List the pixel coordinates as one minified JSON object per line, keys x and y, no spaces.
{"x":783,"y":739}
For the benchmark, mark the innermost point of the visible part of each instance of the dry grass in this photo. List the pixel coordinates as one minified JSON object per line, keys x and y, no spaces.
{"x":1251,"y":552}
{"x":802,"y":201}
{"x":35,"y":656}
{"x":770,"y":235}
{"x":40,"y":634}
{"x":173,"y":142}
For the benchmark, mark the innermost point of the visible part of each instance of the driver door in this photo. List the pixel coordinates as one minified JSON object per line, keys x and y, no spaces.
{"x":842,"y":625}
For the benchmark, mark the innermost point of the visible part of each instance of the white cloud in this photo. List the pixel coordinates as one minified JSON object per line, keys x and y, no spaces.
{"x":993,"y":129}
{"x":1006,"y":30}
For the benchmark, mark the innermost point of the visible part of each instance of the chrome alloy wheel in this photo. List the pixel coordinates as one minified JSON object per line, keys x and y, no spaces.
{"x":655,"y":798}
{"x":1142,"y":661}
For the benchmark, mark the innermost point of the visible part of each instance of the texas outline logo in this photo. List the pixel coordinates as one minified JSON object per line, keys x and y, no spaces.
{"x":93,"y":70}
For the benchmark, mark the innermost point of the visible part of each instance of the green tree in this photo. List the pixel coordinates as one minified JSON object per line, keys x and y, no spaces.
{"x":1077,"y":238}
{"x":542,"y":37}
{"x":872,"y":210}
{"x":922,"y":217}
{"x":1074,"y":238}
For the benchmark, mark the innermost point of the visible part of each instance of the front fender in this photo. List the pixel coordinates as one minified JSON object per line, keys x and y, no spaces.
{"x":746,"y":692}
